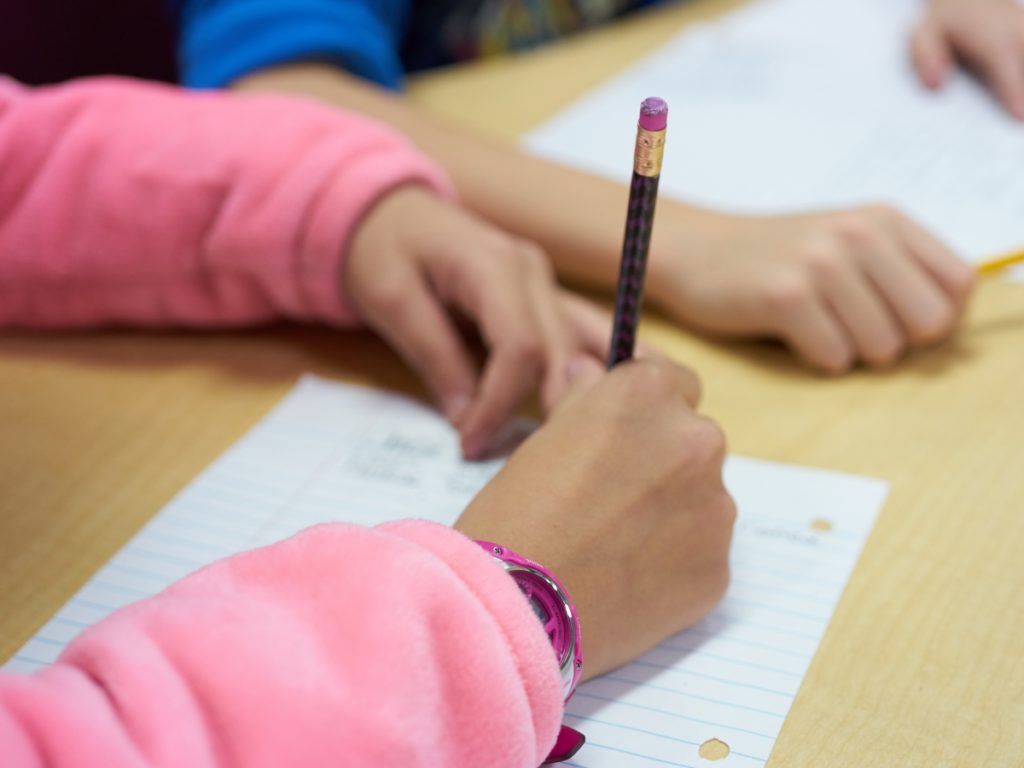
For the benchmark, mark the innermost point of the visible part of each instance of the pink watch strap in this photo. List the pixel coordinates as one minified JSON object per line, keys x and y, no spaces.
{"x":566,"y":746}
{"x":557,"y":615}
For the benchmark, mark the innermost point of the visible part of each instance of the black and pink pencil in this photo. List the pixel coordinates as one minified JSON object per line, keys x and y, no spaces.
{"x":643,"y":194}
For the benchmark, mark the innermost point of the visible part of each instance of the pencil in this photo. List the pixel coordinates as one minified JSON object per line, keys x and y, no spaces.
{"x":998,"y":264}
{"x":643,"y":194}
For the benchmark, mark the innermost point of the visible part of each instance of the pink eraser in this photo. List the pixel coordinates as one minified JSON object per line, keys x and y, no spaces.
{"x":653,"y":114}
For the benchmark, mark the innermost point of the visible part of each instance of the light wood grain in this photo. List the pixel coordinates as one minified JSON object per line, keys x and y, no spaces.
{"x":923,"y":663}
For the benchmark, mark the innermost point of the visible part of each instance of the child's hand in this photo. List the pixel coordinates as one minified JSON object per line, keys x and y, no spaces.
{"x":620,"y":494}
{"x":417,"y":261}
{"x":988,"y":35}
{"x":839,"y":287}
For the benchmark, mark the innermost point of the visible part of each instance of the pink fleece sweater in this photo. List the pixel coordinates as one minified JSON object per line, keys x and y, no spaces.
{"x":402,"y":645}
{"x":124,"y":203}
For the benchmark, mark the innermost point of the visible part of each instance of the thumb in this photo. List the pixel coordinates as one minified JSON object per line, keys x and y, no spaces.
{"x":931,"y":54}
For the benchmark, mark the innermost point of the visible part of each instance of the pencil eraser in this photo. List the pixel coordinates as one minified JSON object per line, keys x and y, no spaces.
{"x":653,"y":114}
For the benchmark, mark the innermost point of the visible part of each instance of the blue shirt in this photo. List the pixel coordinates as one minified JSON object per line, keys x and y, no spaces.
{"x":380,"y":40}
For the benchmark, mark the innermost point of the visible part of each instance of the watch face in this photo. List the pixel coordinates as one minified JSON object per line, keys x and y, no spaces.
{"x":546,"y":606}
{"x":552,"y":607}
{"x":539,"y":610}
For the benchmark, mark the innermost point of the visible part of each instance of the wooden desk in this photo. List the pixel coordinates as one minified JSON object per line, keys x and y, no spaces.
{"x":923,"y":663}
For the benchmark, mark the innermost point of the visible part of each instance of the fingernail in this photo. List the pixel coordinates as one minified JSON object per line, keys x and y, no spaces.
{"x":472,"y":446}
{"x":454,"y":406}
{"x":1017,"y":108}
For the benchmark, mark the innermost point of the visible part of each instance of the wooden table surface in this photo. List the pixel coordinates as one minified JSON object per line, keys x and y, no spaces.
{"x":923,"y":662}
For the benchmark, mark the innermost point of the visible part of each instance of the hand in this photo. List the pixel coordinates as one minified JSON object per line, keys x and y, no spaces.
{"x":620,"y":494}
{"x":986,"y":34}
{"x":416,"y":259}
{"x":865,"y":284}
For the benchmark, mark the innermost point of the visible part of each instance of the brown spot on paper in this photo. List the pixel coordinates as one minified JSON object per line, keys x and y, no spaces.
{"x":713,"y":749}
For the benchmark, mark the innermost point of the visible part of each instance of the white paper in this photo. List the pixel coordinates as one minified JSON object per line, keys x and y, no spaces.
{"x":331,"y":451}
{"x":793,"y":105}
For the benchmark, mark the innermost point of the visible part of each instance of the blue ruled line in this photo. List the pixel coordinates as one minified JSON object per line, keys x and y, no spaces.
{"x":637,"y":754}
{"x":786,"y":611}
{"x":752,"y":643}
{"x":181,"y":541}
{"x":139,"y":572}
{"x":93,"y":605}
{"x":709,"y":700}
{"x":728,"y":660}
{"x":133,"y":548}
{"x":31,"y":660}
{"x":138,"y":593}
{"x":723,"y":726}
{"x":802,"y":578}
{"x":183,"y":518}
{"x":49,"y":641}
{"x":632,"y":728}
{"x":782,"y":590}
{"x":770,"y":627}
{"x":725,"y":680}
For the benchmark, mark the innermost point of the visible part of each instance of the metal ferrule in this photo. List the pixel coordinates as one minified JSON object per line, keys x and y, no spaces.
{"x":650,"y":149}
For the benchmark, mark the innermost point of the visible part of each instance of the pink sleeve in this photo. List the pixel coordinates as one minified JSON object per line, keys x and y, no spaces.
{"x":399,"y":645}
{"x":141,"y":204}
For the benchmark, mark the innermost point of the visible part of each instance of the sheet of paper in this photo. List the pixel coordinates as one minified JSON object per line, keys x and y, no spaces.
{"x":791,"y":105}
{"x":331,"y":451}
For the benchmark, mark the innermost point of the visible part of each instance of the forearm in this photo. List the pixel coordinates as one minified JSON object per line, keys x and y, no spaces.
{"x":147,"y":205}
{"x":401,"y":645}
{"x":576,"y":217}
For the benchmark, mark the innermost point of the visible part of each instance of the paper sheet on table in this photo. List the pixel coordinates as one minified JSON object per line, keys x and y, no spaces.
{"x":331,"y":451}
{"x":790,"y":105}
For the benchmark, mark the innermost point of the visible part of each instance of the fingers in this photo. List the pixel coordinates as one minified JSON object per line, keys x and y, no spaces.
{"x":874,"y":285}
{"x":808,"y":325}
{"x":931,"y":54}
{"x":1002,"y":65}
{"x":953,"y":275}
{"x":915,"y":306}
{"x":925,"y":313}
{"x":653,"y":378}
{"x":590,"y":331}
{"x":877,"y":337}
{"x":409,"y":316}
{"x":1006,"y":72}
{"x":989,"y":36}
{"x":558,"y":341}
{"x":510,"y":296}
{"x":591,"y":325}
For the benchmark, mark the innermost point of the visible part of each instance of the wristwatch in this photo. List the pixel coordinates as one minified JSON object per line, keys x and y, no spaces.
{"x":557,"y":614}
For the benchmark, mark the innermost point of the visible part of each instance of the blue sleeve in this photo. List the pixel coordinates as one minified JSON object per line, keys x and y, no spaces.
{"x":223,"y":40}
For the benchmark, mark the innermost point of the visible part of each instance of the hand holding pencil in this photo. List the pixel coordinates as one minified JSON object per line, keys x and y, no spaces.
{"x":839,"y":287}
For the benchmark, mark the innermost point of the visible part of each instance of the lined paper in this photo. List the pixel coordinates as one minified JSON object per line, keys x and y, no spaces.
{"x":331,"y":451}
{"x":795,"y":105}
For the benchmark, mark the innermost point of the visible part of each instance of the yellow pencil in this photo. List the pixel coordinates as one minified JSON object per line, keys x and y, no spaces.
{"x":992,"y":266}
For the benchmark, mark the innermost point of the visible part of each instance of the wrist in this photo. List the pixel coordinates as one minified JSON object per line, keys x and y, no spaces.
{"x":683,"y":236}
